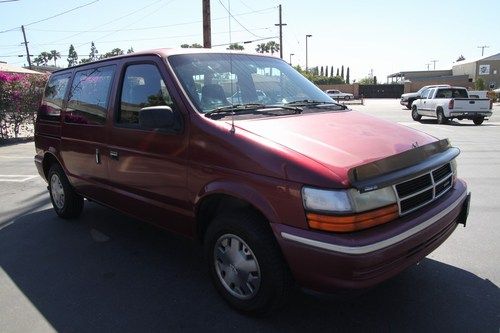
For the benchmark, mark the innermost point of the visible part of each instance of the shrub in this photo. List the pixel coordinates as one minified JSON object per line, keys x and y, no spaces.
{"x":20,"y":97}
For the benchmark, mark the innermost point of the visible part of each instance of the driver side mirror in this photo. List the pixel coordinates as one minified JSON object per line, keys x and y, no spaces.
{"x":159,"y":117}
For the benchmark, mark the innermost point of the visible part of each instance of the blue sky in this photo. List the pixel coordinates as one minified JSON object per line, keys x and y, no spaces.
{"x":386,"y":36}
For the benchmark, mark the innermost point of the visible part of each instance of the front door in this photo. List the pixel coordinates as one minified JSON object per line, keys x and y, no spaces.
{"x":148,"y":167}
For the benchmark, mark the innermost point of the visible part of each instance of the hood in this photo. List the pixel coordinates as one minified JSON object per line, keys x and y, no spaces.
{"x":337,"y":140}
{"x":412,"y":94}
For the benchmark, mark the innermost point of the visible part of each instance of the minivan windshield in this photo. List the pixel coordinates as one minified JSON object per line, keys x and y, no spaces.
{"x":220,"y":82}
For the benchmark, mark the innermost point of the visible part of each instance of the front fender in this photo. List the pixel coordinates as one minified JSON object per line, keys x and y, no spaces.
{"x":242,"y":191}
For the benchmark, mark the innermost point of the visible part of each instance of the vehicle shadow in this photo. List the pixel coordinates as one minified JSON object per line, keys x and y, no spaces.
{"x":465,"y":123}
{"x":109,"y":272}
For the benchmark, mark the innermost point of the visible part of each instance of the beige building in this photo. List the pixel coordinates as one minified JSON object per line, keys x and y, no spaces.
{"x":486,"y":68}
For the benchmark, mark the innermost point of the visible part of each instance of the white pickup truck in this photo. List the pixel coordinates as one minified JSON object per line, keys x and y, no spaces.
{"x":446,"y":103}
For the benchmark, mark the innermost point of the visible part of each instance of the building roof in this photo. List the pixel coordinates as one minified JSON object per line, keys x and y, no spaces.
{"x":16,"y":69}
{"x":489,"y":58}
{"x":433,"y":73}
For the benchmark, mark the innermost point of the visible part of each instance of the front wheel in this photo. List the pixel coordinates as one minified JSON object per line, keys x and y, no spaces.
{"x":347,"y":98}
{"x":414,"y":113}
{"x":66,"y":202}
{"x":478,"y":120}
{"x":245,"y":263}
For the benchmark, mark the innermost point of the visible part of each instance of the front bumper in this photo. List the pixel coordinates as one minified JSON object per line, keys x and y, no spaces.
{"x":327,"y":262}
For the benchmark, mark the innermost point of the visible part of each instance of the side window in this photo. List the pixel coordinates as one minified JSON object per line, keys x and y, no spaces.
{"x":431,"y":93}
{"x":424,"y":94}
{"x":53,"y":97}
{"x":142,"y":87}
{"x":89,"y":96}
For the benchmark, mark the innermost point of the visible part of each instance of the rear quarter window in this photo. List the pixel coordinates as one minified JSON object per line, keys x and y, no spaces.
{"x":89,"y":96}
{"x":53,"y":97}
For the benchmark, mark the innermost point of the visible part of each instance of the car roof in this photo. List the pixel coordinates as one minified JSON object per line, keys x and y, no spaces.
{"x":166,"y":52}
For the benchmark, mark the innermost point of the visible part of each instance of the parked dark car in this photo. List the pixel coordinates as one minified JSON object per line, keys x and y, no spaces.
{"x":297,"y":190}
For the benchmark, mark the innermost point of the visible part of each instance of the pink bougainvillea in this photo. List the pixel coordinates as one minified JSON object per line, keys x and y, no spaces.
{"x":20,"y":96}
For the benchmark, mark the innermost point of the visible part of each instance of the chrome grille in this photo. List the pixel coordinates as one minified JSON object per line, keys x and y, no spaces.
{"x":422,"y":190}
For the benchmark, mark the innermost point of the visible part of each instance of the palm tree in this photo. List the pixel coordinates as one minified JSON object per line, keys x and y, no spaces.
{"x":235,"y":46}
{"x":262,"y":48}
{"x":54,"y":55}
{"x":272,"y":46}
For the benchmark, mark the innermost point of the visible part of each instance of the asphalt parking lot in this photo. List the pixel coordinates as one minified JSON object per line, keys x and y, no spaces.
{"x":109,"y":272}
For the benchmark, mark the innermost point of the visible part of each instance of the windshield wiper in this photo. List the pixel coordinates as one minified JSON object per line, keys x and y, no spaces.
{"x":248,"y":108}
{"x":313,"y":103}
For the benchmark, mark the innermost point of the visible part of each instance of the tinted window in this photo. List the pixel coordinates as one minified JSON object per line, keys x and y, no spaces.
{"x":431,"y":93}
{"x":89,"y":95}
{"x":452,"y":93}
{"x":55,"y":90}
{"x":142,"y":87}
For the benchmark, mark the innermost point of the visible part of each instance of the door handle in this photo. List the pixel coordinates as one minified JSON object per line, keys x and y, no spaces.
{"x":113,"y":154}
{"x":97,"y":156}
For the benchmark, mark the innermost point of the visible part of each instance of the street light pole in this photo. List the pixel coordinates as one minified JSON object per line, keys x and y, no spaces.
{"x":291,"y":54}
{"x":307,"y":69}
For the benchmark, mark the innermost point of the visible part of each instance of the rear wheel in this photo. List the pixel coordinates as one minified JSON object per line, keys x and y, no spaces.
{"x":414,"y":113}
{"x":441,"y":119}
{"x":66,"y":202}
{"x":245,"y":263}
{"x":478,"y":120}
{"x":347,"y":98}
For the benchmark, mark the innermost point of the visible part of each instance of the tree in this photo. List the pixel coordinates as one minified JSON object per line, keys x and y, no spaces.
{"x":338,"y":72}
{"x":347,"y":76}
{"x":479,"y":84}
{"x":322,"y":71}
{"x":342,"y":72}
{"x":273,"y":46}
{"x":93,"y":56}
{"x":114,"y":52}
{"x":375,"y":79}
{"x":72,"y":56}
{"x":235,"y":46}
{"x":54,"y":55}
{"x":192,"y":46}
{"x":262,"y":48}
{"x":366,"y":80}
{"x":331,"y":71}
{"x":461,"y":58}
{"x":43,"y":58}
{"x":130,"y":50}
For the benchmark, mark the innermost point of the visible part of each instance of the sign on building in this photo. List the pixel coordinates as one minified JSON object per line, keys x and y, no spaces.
{"x":484,"y":69}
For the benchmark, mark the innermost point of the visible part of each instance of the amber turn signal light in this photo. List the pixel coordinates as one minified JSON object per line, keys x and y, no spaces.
{"x":354,"y":222}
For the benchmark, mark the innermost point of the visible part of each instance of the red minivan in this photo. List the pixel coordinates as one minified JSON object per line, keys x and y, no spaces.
{"x":280,"y":183}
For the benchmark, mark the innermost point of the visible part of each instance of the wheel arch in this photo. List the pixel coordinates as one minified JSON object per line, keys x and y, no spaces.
{"x":49,"y":158}
{"x":221,"y":196}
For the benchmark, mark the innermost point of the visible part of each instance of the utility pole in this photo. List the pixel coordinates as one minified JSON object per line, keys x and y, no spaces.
{"x":482,"y":47}
{"x":207,"y":30}
{"x":26,"y":44}
{"x":291,"y":54}
{"x":281,"y":24}
{"x":428,"y":65}
{"x":307,"y":36}
{"x":434,"y":61}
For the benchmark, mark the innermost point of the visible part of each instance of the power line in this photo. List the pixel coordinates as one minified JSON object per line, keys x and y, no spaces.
{"x":109,"y":22}
{"x":152,"y":27}
{"x":229,"y":12}
{"x":53,"y":16}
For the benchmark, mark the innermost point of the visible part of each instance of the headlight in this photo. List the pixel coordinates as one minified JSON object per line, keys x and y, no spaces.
{"x":326,"y":200}
{"x":346,"y":201}
{"x":348,"y":210}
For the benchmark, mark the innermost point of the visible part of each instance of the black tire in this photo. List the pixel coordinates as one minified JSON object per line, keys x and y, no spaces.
{"x":347,"y":98}
{"x":478,"y":120}
{"x":70,"y":204}
{"x":414,"y":113}
{"x":259,"y":245}
{"x":441,"y":119}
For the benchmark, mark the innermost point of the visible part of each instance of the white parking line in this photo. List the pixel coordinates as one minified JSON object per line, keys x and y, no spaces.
{"x":16,"y":157}
{"x":16,"y":178}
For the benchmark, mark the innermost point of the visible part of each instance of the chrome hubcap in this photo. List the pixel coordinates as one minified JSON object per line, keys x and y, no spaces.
{"x":57,"y":191}
{"x":236,"y":266}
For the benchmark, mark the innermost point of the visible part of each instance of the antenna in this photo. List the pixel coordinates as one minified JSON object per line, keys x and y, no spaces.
{"x":233,"y":129}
